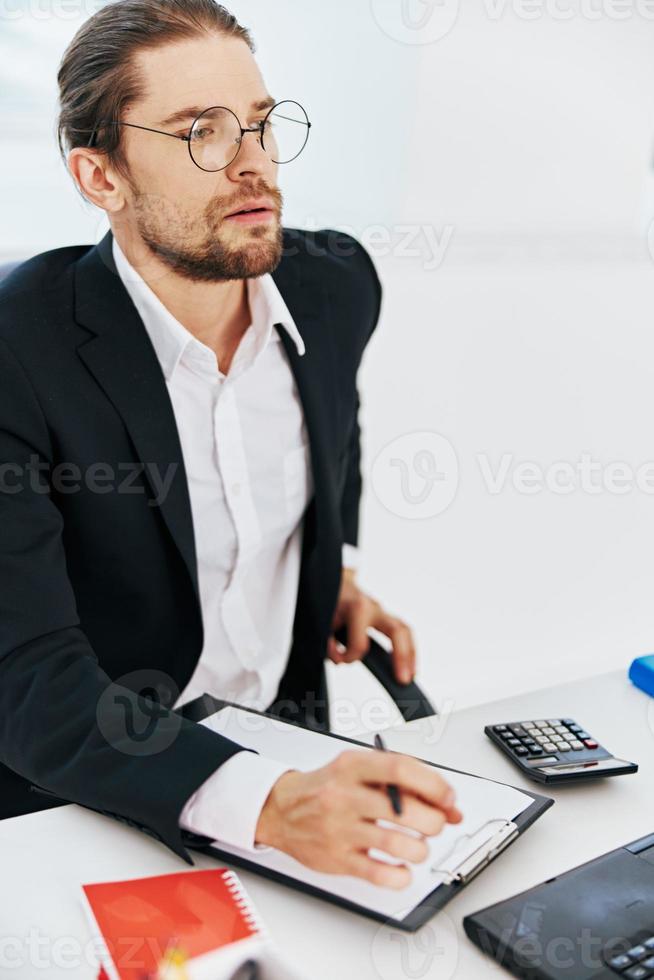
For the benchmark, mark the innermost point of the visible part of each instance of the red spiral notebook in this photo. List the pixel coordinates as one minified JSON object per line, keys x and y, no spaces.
{"x":138,"y":921}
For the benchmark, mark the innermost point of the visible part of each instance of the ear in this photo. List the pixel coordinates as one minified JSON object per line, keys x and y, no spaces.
{"x":96,"y":179}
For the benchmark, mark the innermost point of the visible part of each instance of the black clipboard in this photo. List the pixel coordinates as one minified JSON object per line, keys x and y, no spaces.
{"x":443,"y":893}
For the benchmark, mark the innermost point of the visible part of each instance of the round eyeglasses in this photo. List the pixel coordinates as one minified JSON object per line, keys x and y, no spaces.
{"x":216,"y":136}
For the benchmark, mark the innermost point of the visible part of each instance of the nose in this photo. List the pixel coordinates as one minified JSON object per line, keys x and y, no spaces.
{"x":251,"y":157}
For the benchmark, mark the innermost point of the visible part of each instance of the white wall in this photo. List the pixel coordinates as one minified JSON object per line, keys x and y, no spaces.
{"x":522,"y":149}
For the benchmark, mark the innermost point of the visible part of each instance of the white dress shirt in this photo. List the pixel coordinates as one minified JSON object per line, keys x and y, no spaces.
{"x":248,"y":465}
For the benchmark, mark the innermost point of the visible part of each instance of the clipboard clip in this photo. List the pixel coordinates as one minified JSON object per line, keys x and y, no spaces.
{"x":481,"y":856}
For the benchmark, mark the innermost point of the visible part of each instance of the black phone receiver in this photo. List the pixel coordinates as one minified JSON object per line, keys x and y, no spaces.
{"x":410,"y":699}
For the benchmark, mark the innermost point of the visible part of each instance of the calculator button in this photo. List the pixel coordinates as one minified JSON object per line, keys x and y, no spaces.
{"x":576,"y":746}
{"x":637,"y":973}
{"x":528,"y":724}
{"x":649,"y":943}
{"x":513,"y":742}
{"x":506,"y":735}
{"x":540,"y":724}
{"x":550,"y":747}
{"x":518,"y":731}
{"x":637,"y":952}
{"x":536,"y":750}
{"x":575,"y":728}
{"x":568,"y":721}
{"x":649,"y":963}
{"x":563,"y":747}
{"x":561,"y":730}
{"x":548,"y":730}
{"x":619,"y":962}
{"x":556,"y":738}
{"x":522,"y":751}
{"x":554,"y":722}
{"x":582,"y":735}
{"x":541,"y":739}
{"x":500,"y":728}
{"x":590,"y":744}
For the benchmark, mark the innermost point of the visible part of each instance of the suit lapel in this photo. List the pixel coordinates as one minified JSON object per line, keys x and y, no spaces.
{"x":317,"y":382}
{"x":124,"y":363}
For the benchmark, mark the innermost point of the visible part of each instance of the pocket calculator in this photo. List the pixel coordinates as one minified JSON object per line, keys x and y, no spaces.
{"x":556,"y":750}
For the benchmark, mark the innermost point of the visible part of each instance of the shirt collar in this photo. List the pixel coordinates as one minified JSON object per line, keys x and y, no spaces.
{"x":172,"y":341}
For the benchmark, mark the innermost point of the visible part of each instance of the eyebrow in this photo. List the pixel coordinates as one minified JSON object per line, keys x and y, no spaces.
{"x":192,"y":112}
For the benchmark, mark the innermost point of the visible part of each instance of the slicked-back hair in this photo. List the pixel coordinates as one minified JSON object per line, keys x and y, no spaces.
{"x":98,"y":77}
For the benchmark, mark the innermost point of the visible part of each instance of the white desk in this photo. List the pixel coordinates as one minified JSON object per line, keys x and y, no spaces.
{"x":46,"y":856}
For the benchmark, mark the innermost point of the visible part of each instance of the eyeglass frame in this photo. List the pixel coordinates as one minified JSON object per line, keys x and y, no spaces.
{"x":259,"y":128}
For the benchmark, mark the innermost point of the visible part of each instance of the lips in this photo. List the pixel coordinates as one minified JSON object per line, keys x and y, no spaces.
{"x":253,"y":207}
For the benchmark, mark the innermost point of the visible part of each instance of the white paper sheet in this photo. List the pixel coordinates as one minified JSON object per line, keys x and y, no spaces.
{"x":479,"y":800}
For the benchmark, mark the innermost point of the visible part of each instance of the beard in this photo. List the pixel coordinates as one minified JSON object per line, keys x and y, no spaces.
{"x":172,"y":237}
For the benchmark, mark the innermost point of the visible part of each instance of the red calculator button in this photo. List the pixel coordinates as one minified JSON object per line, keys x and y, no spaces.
{"x":590,"y":744}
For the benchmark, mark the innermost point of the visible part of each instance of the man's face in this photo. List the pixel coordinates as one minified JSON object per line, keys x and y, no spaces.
{"x":184,"y":214}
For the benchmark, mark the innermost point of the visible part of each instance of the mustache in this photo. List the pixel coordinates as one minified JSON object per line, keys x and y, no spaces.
{"x":221,"y":206}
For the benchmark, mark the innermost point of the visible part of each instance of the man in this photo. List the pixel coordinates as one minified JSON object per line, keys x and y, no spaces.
{"x":180,"y":465}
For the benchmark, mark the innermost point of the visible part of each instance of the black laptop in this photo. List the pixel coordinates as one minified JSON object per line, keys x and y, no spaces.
{"x":595,"y":922}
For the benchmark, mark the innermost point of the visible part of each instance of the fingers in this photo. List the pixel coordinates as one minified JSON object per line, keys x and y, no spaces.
{"x":360,"y":616}
{"x":404,"y":651}
{"x":393,"y":842}
{"x":335,"y":650}
{"x":378,"y":872}
{"x":374,"y":804}
{"x":406,"y":773}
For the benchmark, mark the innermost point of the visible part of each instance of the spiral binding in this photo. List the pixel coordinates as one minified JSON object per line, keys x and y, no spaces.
{"x":243,"y":903}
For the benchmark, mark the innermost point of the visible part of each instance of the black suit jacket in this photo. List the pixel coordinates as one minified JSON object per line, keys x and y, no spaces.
{"x":100,"y":620}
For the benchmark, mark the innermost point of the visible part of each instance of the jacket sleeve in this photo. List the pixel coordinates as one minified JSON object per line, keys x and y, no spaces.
{"x":64,"y":725}
{"x":353,"y":485}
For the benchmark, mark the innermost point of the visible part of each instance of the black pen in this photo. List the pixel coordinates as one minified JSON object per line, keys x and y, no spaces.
{"x":391,"y":789}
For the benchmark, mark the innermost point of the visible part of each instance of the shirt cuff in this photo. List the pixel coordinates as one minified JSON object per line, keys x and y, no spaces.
{"x":351,"y":557}
{"x":227,"y":806}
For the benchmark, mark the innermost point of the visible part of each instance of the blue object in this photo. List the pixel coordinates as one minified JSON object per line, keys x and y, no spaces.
{"x":641,"y":673}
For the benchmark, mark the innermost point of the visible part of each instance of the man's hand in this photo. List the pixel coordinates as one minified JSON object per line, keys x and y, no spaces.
{"x":326,"y":819}
{"x":358,"y":611}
